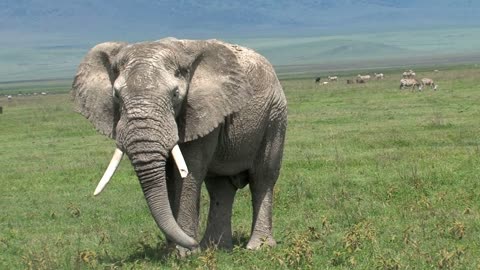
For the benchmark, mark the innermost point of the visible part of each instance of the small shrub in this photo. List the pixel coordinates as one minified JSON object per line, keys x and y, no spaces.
{"x":39,"y":260}
{"x":448,"y":259}
{"x":208,"y":259}
{"x":88,"y":258}
{"x":457,"y":230}
{"x":386,"y":262}
{"x":339,"y":258}
{"x":299,"y":254}
{"x":358,"y":235}
{"x":299,"y":251}
{"x":73,"y":210}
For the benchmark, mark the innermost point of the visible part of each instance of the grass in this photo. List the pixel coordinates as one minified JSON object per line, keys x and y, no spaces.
{"x":31,"y":87}
{"x":373,"y":177}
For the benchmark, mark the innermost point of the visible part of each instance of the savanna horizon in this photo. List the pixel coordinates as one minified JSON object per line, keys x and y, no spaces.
{"x":284,"y":72}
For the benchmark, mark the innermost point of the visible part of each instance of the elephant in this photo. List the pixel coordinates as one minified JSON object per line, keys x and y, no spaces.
{"x":214,"y":110}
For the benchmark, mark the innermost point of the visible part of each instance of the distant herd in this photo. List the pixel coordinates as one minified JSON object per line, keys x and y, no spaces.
{"x":10,"y":97}
{"x":408,"y":80}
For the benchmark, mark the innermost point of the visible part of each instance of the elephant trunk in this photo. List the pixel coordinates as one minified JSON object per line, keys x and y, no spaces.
{"x":154,"y":186}
{"x":148,"y":148}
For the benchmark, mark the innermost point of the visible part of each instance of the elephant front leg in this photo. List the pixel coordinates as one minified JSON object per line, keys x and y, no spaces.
{"x":187,"y":204}
{"x":185,"y":194}
{"x":175,"y":186}
{"x":198,"y":155}
{"x":171,"y":187}
{"x":219,"y":226}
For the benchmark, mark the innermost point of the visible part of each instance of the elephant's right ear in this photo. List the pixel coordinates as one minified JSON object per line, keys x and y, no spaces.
{"x":92,"y":87}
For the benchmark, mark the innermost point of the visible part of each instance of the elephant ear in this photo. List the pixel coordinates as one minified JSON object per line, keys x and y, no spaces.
{"x":218,"y":88}
{"x":92,"y":87}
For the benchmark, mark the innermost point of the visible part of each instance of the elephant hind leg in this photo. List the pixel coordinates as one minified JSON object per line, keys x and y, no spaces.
{"x":219,"y":226}
{"x":262,"y":181}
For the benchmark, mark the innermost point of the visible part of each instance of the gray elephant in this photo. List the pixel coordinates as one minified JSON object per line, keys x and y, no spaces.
{"x":219,"y":104}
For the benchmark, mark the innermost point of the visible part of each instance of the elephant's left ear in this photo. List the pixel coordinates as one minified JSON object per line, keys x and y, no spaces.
{"x":92,"y":87}
{"x":218,"y":88}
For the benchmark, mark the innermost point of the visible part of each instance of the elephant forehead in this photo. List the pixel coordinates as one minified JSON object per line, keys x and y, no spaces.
{"x":145,"y":78}
{"x":146,"y":52}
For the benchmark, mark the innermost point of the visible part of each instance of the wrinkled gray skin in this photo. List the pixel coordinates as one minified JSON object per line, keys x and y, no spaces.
{"x":222,"y":104}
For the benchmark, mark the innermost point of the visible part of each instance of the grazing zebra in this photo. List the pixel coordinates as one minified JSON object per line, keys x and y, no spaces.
{"x":412,"y":83}
{"x":409,"y":74}
{"x":429,"y":82}
{"x":364,"y":77}
{"x":333,"y":78}
{"x":379,"y":76}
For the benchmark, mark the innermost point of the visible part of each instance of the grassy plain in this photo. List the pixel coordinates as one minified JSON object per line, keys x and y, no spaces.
{"x":35,"y":86}
{"x":373,"y":178}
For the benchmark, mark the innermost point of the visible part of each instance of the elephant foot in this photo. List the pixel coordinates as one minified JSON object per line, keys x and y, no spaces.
{"x":182,"y":252}
{"x":257,"y":242}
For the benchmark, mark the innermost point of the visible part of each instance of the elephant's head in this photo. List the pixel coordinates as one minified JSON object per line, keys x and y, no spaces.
{"x":150,"y":96}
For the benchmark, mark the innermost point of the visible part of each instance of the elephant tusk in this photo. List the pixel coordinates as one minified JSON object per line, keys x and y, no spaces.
{"x":179,"y":161}
{"x":112,"y":167}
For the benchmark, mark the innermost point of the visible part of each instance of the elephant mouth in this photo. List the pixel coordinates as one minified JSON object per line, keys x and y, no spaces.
{"x":117,"y":157}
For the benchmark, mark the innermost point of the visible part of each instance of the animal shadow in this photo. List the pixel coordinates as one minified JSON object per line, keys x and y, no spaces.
{"x":157,"y":252}
{"x":240,"y":239}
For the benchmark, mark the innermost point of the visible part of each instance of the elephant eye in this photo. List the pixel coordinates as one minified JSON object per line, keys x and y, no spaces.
{"x":176,"y":92}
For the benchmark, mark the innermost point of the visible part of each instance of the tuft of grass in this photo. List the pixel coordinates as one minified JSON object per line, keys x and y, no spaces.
{"x":41,"y":259}
{"x":388,"y":262}
{"x":450,"y":259}
{"x":457,"y":230}
{"x":437,"y":121}
{"x":208,"y":258}
{"x":357,"y":237}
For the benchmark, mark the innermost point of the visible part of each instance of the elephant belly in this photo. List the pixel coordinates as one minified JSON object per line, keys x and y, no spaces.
{"x":228,"y":168}
{"x":239,"y":180}
{"x":240,"y":139}
{"x":232,"y":159}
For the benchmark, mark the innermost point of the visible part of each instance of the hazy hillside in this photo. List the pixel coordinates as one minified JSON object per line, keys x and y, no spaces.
{"x":59,"y":57}
{"x":46,"y":39}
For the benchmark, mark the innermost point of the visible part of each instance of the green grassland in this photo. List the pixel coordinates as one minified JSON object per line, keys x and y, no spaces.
{"x":373,"y":178}
{"x":35,"y":86}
